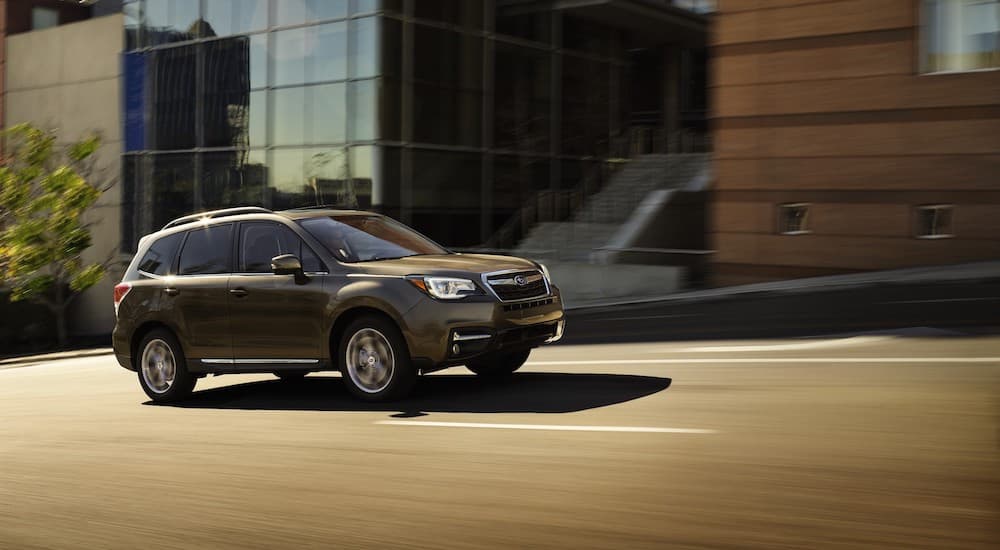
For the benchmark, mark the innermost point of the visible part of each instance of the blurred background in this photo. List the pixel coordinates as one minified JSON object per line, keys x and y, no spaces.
{"x":688,"y":143}
{"x":775,"y":225}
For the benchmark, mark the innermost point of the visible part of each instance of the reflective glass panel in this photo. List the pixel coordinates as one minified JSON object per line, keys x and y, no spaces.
{"x":226,"y":108}
{"x":302,"y":177}
{"x":465,"y":13}
{"x":529,"y":26}
{"x":130,"y":12}
{"x":447,"y":103}
{"x":362,"y":191}
{"x":960,"y":35}
{"x":233,"y":178}
{"x":310,"y":54}
{"x":258,"y":118}
{"x":364,"y":47}
{"x":168,"y":21}
{"x":172,"y":88}
{"x":585,"y":35}
{"x":391,"y":53}
{"x":225,"y":17}
{"x":293,"y":12}
{"x":258,"y":61}
{"x":363,"y":108}
{"x":522,"y":104}
{"x":446,"y":196}
{"x":169,"y":190}
{"x":130,"y":175}
{"x":586,"y":116}
{"x":364,"y":6}
{"x":310,"y":114}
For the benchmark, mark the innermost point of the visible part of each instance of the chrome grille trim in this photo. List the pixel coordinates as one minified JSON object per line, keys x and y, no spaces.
{"x":535,"y":274}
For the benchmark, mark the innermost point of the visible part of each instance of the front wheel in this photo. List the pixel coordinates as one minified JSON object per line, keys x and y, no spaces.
{"x":162,"y":371}
{"x":498,"y":365}
{"x":374,"y":360}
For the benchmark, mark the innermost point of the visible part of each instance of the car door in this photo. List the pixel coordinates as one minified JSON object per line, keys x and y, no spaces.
{"x":276,"y":319}
{"x":196,"y":298}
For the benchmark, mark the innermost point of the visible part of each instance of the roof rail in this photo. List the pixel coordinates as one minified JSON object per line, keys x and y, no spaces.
{"x":217,"y":214}
{"x":320,"y":207}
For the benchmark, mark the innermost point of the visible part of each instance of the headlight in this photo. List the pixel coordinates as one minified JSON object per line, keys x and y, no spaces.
{"x":445,"y":288}
{"x":545,"y":271}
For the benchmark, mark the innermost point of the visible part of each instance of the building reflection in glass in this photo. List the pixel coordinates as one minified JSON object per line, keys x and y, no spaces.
{"x":454,"y":116}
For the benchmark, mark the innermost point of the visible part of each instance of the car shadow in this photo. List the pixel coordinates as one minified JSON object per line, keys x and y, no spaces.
{"x":521,"y":393}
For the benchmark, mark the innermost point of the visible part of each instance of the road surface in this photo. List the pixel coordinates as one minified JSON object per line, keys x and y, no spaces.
{"x":864,"y":441}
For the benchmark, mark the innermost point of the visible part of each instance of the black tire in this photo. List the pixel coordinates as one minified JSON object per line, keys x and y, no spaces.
{"x":498,"y":365}
{"x":391,"y":375}
{"x":161,"y":385}
{"x":291,"y":375}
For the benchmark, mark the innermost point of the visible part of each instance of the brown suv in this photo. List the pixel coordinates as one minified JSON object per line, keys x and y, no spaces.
{"x":248,"y":290}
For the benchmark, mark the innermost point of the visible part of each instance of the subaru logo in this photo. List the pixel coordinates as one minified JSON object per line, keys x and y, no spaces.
{"x":520,"y":280}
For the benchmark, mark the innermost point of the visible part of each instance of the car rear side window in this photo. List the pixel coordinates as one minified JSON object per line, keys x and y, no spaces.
{"x":207,"y":251}
{"x":159,"y":259}
{"x":262,"y":241}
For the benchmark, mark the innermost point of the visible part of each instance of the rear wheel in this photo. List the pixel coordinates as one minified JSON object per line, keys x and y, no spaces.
{"x":291,"y":375}
{"x":162,"y":370}
{"x":374,"y":360}
{"x":496,"y":365}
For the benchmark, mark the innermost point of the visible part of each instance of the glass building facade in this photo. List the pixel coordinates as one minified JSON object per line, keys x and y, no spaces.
{"x":449,"y":115}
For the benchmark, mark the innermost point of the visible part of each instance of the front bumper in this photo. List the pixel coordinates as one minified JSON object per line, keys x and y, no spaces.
{"x":441,"y":334}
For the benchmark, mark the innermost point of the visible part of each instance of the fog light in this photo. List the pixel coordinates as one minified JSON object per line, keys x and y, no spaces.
{"x":455,"y":349}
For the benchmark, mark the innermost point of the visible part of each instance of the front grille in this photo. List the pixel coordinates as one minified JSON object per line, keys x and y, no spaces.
{"x":527,"y":305}
{"x":507,"y":287}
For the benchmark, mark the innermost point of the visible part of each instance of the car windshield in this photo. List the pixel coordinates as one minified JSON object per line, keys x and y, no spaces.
{"x":365,"y":238}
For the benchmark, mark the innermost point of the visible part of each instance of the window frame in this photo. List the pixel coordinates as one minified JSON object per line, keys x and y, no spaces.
{"x":48,"y":11}
{"x":238,"y":253}
{"x":172,"y":266}
{"x":920,"y":208}
{"x":781,"y":208}
{"x":187,"y":236}
{"x":921,"y":45}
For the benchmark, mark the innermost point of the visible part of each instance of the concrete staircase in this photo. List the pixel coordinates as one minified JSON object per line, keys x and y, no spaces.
{"x":596,"y":222}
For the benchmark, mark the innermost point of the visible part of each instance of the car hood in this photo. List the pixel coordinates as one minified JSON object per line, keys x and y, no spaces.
{"x":444,"y":264}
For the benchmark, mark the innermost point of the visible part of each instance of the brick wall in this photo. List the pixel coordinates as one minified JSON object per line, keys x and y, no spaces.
{"x":821,"y":102}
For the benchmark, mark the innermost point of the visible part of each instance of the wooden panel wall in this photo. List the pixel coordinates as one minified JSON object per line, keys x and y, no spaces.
{"x":820,"y":101}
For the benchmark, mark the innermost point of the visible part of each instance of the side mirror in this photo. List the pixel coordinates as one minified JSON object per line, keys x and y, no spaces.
{"x":288,"y":264}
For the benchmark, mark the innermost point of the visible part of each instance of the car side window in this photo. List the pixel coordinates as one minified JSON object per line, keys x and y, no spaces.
{"x":207,"y":251}
{"x":260,"y":242}
{"x":159,"y":259}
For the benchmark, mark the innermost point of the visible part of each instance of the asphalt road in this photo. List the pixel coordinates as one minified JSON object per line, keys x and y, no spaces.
{"x":872,"y":441}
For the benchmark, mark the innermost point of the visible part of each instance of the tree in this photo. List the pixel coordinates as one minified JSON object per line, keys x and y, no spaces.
{"x":43,"y":196}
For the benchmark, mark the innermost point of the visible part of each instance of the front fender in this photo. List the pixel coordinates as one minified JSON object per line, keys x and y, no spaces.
{"x":393,"y":297}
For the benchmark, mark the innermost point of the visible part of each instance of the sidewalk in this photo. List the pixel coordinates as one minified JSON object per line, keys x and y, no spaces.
{"x":978,"y":271}
{"x":24,"y":360}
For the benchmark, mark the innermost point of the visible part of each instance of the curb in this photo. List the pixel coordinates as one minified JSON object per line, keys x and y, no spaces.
{"x":24,"y":360}
{"x":789,"y":288}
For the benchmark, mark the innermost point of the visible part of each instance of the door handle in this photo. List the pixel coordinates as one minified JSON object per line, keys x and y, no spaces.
{"x":171,"y":291}
{"x":238,"y":292}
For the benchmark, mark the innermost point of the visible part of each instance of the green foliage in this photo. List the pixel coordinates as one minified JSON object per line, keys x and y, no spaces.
{"x":43,"y":197}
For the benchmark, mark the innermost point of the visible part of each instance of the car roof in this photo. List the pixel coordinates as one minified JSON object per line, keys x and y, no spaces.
{"x":219,"y":217}
{"x":304,"y":213}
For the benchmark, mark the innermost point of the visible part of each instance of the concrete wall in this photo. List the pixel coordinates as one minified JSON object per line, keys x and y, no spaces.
{"x":821,"y":102}
{"x":68,"y":78}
